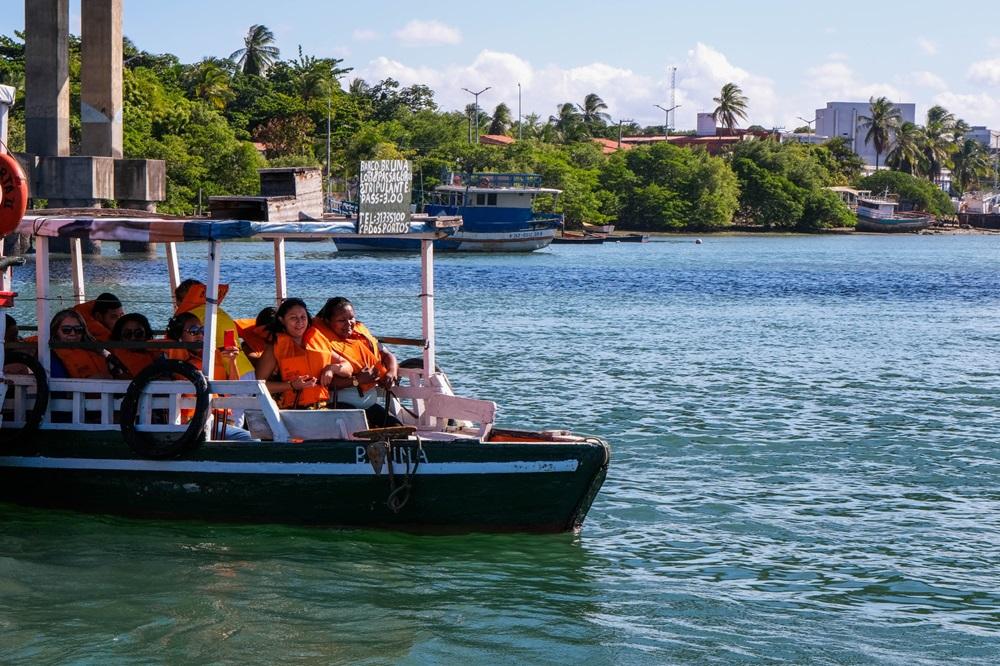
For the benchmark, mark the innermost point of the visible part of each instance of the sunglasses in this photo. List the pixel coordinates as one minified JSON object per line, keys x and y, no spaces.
{"x":133,"y":334}
{"x":195,"y":330}
{"x":68,"y":330}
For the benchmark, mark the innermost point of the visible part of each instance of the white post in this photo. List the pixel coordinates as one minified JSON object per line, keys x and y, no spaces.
{"x":76,"y":253}
{"x":173,"y":271}
{"x":280,"y":275}
{"x":427,"y":304}
{"x":7,"y":94}
{"x":211,"y":322}
{"x":42,"y":309}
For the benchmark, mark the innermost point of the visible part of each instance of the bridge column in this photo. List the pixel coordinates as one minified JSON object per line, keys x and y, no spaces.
{"x":101,"y":78}
{"x":46,"y":77}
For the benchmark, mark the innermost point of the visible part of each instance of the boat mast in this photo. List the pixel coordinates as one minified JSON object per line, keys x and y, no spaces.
{"x":42,"y":309}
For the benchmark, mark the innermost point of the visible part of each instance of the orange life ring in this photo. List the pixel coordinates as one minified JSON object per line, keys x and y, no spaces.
{"x":14,"y":184}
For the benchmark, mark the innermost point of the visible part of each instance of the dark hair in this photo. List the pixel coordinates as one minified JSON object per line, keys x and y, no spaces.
{"x":175,"y":327}
{"x":59,"y":317}
{"x":266,"y":316}
{"x":116,"y":331}
{"x":11,"y":334}
{"x":332,"y":305}
{"x":277,"y":326}
{"x":105,"y":303}
{"x":181,"y":290}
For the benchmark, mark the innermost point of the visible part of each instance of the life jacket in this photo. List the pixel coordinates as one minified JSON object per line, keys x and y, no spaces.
{"x":294,"y":361}
{"x":254,"y":336}
{"x":96,"y":328}
{"x":194,"y":302}
{"x":360,"y":348}
{"x":136,"y":360}
{"x":83,"y":363}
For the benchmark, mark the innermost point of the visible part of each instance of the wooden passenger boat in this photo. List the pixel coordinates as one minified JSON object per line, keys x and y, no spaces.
{"x":127,"y":448}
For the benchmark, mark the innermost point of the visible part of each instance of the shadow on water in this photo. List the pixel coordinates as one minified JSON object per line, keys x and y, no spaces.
{"x":97,"y":587}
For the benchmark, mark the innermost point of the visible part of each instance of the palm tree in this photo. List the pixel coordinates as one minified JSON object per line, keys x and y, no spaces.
{"x":972,"y":161}
{"x":732,"y":105}
{"x":210,"y":81}
{"x":257,"y":54}
{"x":907,"y":153}
{"x":567,"y":123}
{"x":501,"y":120}
{"x":880,"y":124}
{"x":592,"y":112}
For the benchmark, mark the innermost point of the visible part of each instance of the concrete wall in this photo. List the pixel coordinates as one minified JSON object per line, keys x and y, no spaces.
{"x":842,"y":119}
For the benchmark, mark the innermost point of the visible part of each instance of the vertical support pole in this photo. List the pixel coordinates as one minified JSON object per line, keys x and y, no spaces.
{"x":427,"y":304}
{"x":211,"y":322}
{"x":76,"y":255}
{"x":280,"y":274}
{"x":42,"y":308}
{"x":173,"y":270}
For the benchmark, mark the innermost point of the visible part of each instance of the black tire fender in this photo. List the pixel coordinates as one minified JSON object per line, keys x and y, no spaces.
{"x":147,"y":446}
{"x":33,"y":418}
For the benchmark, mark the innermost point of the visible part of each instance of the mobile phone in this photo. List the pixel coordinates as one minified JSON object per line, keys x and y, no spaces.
{"x":229,"y":338}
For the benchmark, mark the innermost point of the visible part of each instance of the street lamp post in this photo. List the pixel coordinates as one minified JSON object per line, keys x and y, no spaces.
{"x":666,"y":120}
{"x":808,"y":122}
{"x":476,"y":96}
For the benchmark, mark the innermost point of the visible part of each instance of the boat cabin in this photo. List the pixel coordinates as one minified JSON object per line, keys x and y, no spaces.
{"x":488,"y":189}
{"x":423,"y":400}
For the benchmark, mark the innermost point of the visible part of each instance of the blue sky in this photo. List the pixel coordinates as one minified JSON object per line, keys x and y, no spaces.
{"x":790,"y":58}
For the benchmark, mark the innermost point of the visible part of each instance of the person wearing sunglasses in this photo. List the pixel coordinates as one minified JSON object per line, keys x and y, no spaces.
{"x":187,"y":327}
{"x":134,"y":328}
{"x":68,"y":326}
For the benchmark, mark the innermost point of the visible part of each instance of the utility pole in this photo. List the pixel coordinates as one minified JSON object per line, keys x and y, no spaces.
{"x":476,"y":96}
{"x":620,"y":121}
{"x":808,"y":123}
{"x":329,"y":174}
{"x":666,"y":119}
{"x":518,"y":110}
{"x":673,"y":91}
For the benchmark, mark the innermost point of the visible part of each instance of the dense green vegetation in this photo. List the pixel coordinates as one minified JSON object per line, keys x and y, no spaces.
{"x":203,"y":119}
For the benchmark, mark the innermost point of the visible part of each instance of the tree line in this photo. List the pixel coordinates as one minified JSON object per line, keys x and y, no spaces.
{"x":204,"y":119}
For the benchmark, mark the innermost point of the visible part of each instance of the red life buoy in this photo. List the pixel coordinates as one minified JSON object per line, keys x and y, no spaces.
{"x":14,"y":184}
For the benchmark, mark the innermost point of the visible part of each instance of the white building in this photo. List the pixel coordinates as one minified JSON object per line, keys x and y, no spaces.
{"x":844,"y":119}
{"x":987,"y":137}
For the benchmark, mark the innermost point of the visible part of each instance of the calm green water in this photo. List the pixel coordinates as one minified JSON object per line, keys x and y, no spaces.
{"x":805,"y":470}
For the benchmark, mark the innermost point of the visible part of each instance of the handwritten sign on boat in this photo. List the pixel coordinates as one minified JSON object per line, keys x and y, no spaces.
{"x":384,"y":197}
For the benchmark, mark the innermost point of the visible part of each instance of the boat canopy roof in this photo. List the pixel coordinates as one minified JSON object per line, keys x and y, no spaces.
{"x":177,"y":230}
{"x":489,"y":181}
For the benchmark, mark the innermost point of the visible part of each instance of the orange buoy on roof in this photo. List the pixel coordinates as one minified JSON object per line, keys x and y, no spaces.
{"x":14,"y":185}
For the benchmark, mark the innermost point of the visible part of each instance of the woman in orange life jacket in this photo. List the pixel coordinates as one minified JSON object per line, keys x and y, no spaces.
{"x":254,"y":333}
{"x":300,"y":357}
{"x":133,"y":327}
{"x":187,"y":327}
{"x":371,"y":363}
{"x":67,"y":362}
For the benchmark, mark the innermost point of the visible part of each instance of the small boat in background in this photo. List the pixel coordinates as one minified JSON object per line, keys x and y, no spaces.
{"x":980,"y":210}
{"x":574,"y":238}
{"x":878,"y":213}
{"x":598,"y":229}
{"x":628,"y":238}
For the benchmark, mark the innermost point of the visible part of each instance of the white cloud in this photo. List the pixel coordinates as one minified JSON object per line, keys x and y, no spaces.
{"x":427,"y":33}
{"x":927,"y":46}
{"x":364,"y":35}
{"x":986,"y":72}
{"x":925,"y":79}
{"x":974,"y":108}
{"x":837,"y":82}
{"x":704,"y":74}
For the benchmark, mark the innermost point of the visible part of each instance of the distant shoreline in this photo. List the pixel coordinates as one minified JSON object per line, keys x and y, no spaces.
{"x":842,"y":231}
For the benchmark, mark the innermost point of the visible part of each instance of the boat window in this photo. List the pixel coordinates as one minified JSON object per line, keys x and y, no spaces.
{"x":480,"y":199}
{"x":491,"y":199}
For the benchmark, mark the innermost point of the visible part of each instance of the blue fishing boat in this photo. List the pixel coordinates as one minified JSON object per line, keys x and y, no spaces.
{"x":497,"y":210}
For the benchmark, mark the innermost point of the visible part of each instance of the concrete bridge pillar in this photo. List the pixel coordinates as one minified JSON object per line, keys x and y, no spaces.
{"x":46,"y":79}
{"x":101,"y":78}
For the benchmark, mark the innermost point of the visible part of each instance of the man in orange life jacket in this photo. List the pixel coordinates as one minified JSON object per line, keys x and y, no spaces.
{"x":101,"y":314}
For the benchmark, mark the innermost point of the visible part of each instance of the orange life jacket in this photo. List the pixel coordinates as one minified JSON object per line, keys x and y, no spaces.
{"x":96,"y":328}
{"x":360,"y":348}
{"x":294,"y":361}
{"x":83,"y":363}
{"x":136,"y":360}
{"x":254,"y":336}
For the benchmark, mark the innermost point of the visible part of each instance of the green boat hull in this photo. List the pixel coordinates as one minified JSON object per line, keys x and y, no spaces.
{"x":440,"y":486}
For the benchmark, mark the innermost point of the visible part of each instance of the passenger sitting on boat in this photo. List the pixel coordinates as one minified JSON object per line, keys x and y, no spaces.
{"x":101,"y":315}
{"x":371,"y":363}
{"x":254,"y":333}
{"x":69,"y":326}
{"x":191,"y":297}
{"x":133,"y":327}
{"x":300,"y":355}
{"x":187,"y":327}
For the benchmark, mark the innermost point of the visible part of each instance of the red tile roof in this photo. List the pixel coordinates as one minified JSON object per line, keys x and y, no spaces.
{"x":496,"y":139}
